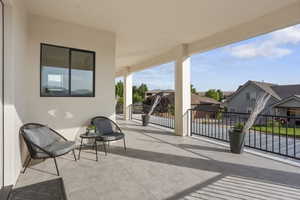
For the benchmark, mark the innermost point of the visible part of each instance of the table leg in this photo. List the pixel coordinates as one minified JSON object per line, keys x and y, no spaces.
{"x":80,"y":148}
{"x":104,"y":145}
{"x":96,"y":150}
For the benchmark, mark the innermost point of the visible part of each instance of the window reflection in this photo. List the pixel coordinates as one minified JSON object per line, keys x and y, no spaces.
{"x":82,"y":72}
{"x":66,"y":72}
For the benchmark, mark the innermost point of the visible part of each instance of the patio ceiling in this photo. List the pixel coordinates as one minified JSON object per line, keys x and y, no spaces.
{"x":148,"y":32}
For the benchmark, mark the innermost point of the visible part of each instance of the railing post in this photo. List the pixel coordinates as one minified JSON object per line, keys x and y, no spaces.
{"x":191,"y":122}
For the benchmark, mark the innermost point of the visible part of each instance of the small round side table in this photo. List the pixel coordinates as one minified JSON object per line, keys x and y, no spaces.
{"x":88,"y":136}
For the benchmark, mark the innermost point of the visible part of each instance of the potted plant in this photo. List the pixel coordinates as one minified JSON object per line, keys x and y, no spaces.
{"x":237,"y":133}
{"x":236,"y":137}
{"x":90,"y":129}
{"x":145,"y":119}
{"x":155,"y":101}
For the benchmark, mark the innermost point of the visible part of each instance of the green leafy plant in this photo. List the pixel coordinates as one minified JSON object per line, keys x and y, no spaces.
{"x":274,"y":123}
{"x":219,"y":115}
{"x":91,"y":127}
{"x":238,"y":127}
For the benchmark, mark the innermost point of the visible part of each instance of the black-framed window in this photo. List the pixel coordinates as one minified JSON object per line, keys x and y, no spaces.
{"x":67,"y":72}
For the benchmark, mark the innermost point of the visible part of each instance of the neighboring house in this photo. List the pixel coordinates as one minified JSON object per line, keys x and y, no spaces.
{"x":197,"y":101}
{"x":226,"y":94}
{"x":206,"y":106}
{"x":284,"y":101}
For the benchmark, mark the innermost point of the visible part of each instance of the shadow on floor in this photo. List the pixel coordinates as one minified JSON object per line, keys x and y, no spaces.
{"x":225,"y":168}
{"x":204,"y":148}
{"x":48,"y":190}
{"x":224,"y":187}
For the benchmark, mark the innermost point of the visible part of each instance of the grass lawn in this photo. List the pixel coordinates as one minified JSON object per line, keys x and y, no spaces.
{"x":278,"y":130}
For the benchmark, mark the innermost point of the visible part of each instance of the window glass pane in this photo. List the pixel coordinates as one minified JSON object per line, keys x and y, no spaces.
{"x":82,"y":69}
{"x":55,"y":71}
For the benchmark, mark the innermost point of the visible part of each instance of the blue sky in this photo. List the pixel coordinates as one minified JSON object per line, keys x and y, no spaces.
{"x":274,"y":57}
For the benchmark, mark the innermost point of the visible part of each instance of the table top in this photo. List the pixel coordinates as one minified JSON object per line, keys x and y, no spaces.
{"x":89,"y":135}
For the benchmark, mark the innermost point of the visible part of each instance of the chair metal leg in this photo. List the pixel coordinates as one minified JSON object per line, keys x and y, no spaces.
{"x":124,"y":144}
{"x":104,"y":144}
{"x":80,"y":149}
{"x":74,"y":154}
{"x":56,"y":166}
{"x":108,"y":147}
{"x":96,"y":150}
{"x":26,"y":165}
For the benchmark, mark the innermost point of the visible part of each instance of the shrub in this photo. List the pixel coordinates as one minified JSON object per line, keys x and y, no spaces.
{"x":275,"y":123}
{"x":238,"y":127}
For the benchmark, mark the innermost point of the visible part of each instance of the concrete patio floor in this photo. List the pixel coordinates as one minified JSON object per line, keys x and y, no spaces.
{"x":159,"y":165}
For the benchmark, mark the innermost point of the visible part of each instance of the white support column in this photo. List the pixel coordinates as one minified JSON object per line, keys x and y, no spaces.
{"x":182,"y":92}
{"x":127,"y":94}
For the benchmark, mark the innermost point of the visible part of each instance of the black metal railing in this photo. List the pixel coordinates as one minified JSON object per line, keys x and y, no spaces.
{"x":159,"y":117}
{"x":270,"y":133}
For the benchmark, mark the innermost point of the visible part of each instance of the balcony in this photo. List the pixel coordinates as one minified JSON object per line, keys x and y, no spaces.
{"x":160,"y":165}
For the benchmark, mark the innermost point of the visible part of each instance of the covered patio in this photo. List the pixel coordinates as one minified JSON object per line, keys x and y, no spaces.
{"x":159,"y":165}
{"x":59,"y":60}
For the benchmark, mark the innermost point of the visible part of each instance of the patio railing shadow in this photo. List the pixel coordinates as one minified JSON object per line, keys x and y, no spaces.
{"x":225,"y":168}
{"x":224,"y":187}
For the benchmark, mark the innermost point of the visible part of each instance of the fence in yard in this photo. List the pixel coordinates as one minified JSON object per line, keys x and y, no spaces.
{"x":275,"y":134}
{"x":162,"y":118}
{"x":270,"y":133}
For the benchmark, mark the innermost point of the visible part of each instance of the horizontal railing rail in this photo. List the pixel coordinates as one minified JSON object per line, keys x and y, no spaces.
{"x":163,"y":118}
{"x":275,"y":134}
{"x":270,"y":133}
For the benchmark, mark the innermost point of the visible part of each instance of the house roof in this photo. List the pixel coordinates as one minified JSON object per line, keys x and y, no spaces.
{"x":295,"y":97}
{"x":158,"y":91}
{"x":196,"y":99}
{"x":285,"y":91}
{"x":262,"y":85}
{"x":225,"y":93}
{"x":267,"y":87}
{"x":279,"y":92}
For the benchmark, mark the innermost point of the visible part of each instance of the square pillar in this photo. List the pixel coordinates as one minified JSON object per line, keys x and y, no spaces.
{"x":127,"y":95}
{"x":182,"y":92}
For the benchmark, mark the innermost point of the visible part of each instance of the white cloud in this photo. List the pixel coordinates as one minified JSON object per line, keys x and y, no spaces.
{"x":272,"y":46}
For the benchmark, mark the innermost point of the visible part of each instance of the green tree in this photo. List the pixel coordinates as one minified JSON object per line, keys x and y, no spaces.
{"x":137,"y":98}
{"x":221,"y":95}
{"x":212,"y":93}
{"x":120,"y":100}
{"x":193,"y":89}
{"x":119,"y":88}
{"x":142,"y":90}
{"x":138,"y":93}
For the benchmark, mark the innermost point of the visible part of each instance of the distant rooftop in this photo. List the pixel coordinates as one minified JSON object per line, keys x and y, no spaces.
{"x":158,"y":91}
{"x":277,"y":91}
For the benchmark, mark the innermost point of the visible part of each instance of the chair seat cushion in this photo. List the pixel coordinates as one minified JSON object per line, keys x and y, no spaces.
{"x":57,"y":149}
{"x":41,"y":136}
{"x":110,"y":136}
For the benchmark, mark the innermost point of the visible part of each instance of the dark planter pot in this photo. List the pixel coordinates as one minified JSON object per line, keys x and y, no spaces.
{"x":236,"y":141}
{"x":145,"y":119}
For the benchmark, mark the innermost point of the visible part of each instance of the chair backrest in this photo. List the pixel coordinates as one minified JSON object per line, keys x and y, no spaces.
{"x":104,"y":125}
{"x":38,"y":135}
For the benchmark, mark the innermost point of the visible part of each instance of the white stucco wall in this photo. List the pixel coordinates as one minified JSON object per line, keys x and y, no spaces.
{"x":15,"y":103}
{"x":69,"y":114}
{"x":23,"y":104}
